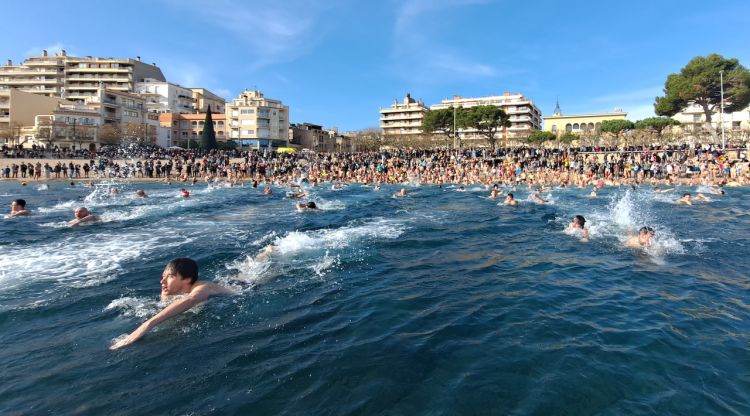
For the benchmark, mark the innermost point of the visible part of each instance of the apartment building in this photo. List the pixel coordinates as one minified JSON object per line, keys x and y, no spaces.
{"x":525,"y":116}
{"x":165,"y":97}
{"x":84,"y":75}
{"x":183,"y":128}
{"x":18,"y":109}
{"x":403,"y":118}
{"x":692,"y":118}
{"x":71,"y":126}
{"x":202,"y":98}
{"x":257,"y":122}
{"x":42,"y":75}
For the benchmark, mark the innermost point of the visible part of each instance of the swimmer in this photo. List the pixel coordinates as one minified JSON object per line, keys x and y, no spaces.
{"x":112,"y":191}
{"x":645,"y":238}
{"x":72,"y":184}
{"x":659,"y":190}
{"x":460,"y":189}
{"x":184,"y":193}
{"x":180,"y":278}
{"x":702,"y":198}
{"x":493,"y":194}
{"x":309,"y":205}
{"x":377,"y":187}
{"x":579,"y":224}
{"x":510,"y":200}
{"x":297,"y":195}
{"x":265,"y":254}
{"x":538,"y":199}
{"x":18,"y":208}
{"x":593,"y":193}
{"x":140,"y":193}
{"x":267,"y":190}
{"x":401,"y":193}
{"x":82,"y":215}
{"x":685,"y":199}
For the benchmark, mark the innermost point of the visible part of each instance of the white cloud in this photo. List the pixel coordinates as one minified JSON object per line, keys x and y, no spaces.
{"x":270,"y":32}
{"x":418,"y":57}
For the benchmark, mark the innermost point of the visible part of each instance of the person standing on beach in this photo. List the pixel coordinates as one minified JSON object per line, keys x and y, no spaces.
{"x":179,"y":278}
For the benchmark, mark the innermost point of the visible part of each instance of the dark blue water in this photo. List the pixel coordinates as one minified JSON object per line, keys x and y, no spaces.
{"x":439,"y":303}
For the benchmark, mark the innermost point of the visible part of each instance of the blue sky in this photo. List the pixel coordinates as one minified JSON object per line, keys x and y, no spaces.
{"x":337,"y":62}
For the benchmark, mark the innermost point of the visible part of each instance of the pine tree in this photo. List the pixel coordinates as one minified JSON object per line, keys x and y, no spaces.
{"x":208,"y":135}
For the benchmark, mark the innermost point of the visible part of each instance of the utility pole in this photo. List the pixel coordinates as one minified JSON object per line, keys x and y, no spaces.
{"x":721,"y":116}
{"x":455,"y":131}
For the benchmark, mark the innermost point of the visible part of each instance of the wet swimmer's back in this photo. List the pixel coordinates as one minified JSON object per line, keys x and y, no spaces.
{"x":179,"y":281}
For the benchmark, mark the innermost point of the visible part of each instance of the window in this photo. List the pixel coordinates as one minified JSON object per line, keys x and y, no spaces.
{"x":194,"y":123}
{"x":248,"y":111}
{"x":568,"y":127}
{"x":248,"y":131}
{"x":247,"y":122}
{"x":235,"y":113}
{"x":554,"y":129}
{"x":184,"y":124}
{"x":735,"y":125}
{"x":184,"y":134}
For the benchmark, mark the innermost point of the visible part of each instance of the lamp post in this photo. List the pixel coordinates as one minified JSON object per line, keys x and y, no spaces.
{"x":721,"y":116}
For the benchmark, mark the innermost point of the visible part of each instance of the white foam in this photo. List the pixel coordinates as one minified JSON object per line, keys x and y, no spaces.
{"x":82,"y":259}
{"x":137,"y":307}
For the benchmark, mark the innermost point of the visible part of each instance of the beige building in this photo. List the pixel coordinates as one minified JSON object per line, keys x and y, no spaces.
{"x":525,"y":116}
{"x":84,"y":75}
{"x":202,"y":98}
{"x":70,"y":126}
{"x":559,"y":123}
{"x":41,"y":75}
{"x":18,"y":109}
{"x":403,"y":118}
{"x":257,"y":122}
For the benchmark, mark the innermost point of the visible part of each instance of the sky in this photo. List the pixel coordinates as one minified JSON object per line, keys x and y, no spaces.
{"x":337,"y":62}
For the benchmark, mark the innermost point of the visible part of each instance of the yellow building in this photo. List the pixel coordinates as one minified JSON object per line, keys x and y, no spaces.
{"x":579,"y":123}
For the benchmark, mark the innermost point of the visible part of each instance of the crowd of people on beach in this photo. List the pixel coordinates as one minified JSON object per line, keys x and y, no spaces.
{"x":683,"y":164}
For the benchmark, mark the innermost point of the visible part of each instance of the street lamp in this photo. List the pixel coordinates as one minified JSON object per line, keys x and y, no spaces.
{"x":721,"y":116}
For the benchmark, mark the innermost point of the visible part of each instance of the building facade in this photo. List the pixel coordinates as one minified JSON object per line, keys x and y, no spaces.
{"x":403,"y":118}
{"x":84,"y":75}
{"x":257,"y":122}
{"x":693,"y":119}
{"x":165,"y":97}
{"x":184,"y":128}
{"x":559,"y":123}
{"x":18,"y":109}
{"x":69,"y":126}
{"x":202,"y":98}
{"x":525,"y":116}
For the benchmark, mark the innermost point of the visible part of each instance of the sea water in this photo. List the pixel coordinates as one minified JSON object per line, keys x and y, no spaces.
{"x":441,"y":302}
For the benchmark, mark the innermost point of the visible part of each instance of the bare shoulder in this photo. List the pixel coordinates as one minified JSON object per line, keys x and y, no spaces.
{"x":206,"y":289}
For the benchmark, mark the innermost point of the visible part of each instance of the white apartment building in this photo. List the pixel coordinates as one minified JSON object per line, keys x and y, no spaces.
{"x":84,"y":75}
{"x":525,"y":116}
{"x":257,"y":122}
{"x":692,"y":118}
{"x":203,"y":98}
{"x":403,"y":118}
{"x":165,"y":97}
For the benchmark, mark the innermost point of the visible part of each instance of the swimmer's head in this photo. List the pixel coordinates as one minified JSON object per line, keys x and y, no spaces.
{"x":184,"y":268}
{"x":20,"y":203}
{"x":686,"y":195}
{"x":140,"y":193}
{"x":312,"y":205}
{"x":81,"y":212}
{"x":510,"y":195}
{"x":647,"y":231}
{"x":579,"y":220}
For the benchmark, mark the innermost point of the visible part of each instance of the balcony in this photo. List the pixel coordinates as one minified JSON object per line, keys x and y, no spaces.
{"x":31,"y":81}
{"x":75,"y":69}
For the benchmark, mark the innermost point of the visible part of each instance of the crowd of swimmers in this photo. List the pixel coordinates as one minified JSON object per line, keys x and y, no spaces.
{"x":536,"y":169}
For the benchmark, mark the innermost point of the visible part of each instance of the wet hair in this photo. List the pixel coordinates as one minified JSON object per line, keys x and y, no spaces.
{"x":578,"y":219}
{"x":311,"y":204}
{"x":510,"y":194}
{"x":686,"y":194}
{"x":20,"y":202}
{"x":646,"y":230}
{"x":185,"y":267}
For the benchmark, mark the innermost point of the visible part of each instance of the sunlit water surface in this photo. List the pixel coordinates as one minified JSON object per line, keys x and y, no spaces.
{"x":443,"y":302}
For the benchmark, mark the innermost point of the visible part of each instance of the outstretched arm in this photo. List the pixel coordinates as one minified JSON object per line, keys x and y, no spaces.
{"x":176,"y":308}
